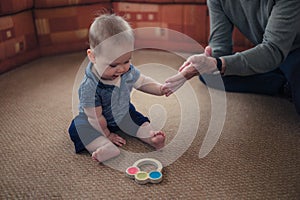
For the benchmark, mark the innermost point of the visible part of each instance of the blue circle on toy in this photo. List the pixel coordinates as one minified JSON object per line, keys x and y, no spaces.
{"x":155,"y":175}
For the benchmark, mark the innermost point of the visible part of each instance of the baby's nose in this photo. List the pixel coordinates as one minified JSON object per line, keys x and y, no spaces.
{"x":121,"y":68}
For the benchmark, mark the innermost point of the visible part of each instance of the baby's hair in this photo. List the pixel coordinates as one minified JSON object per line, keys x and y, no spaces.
{"x":108,"y":25}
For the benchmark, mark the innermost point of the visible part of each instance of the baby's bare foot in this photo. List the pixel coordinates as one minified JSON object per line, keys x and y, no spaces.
{"x":158,"y":139}
{"x":96,"y":155}
{"x":105,"y":152}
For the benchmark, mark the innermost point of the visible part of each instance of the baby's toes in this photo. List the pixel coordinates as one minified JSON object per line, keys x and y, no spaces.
{"x":159,"y":133}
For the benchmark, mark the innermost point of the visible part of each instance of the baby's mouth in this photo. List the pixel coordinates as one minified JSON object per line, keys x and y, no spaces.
{"x":115,"y":76}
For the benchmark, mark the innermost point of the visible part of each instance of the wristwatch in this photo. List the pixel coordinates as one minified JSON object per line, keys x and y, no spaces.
{"x":219,"y":64}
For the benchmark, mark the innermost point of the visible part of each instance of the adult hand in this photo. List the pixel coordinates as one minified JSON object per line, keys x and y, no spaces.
{"x":174,"y":83}
{"x":199,"y":64}
{"x":193,"y":66}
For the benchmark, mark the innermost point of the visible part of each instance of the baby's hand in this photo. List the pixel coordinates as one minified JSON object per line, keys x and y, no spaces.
{"x":173,"y":83}
{"x":116,"y":139}
{"x":165,"y":90}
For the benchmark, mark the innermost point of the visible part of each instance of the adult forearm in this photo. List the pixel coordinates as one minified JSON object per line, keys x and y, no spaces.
{"x":260,"y":59}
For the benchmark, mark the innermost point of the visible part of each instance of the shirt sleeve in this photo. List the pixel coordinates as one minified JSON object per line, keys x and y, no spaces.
{"x":279,"y":36}
{"x":220,"y":30}
{"x":88,"y":94}
{"x":135,"y":74}
{"x":139,"y":82}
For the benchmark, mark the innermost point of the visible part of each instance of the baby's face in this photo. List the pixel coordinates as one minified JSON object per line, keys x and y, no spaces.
{"x":113,"y":60}
{"x":113,"y":70}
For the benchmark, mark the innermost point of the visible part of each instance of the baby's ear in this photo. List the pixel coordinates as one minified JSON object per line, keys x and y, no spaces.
{"x":91,"y":56}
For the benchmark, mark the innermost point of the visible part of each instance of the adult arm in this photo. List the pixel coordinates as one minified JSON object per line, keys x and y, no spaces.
{"x":279,"y":35}
{"x":220,"y":30}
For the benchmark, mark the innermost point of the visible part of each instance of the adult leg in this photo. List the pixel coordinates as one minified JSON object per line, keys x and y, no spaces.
{"x":269,"y":83}
{"x":291,"y":69}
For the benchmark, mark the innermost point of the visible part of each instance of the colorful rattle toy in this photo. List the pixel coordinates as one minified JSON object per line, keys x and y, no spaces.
{"x":143,"y":177}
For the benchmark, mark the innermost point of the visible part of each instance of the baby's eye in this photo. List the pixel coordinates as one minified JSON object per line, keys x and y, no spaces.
{"x":126,"y":62}
{"x":113,"y":65}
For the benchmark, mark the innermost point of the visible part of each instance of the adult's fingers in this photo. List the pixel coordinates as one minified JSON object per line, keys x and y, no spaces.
{"x":184,"y":65}
{"x":175,"y":78}
{"x":208,"y":51}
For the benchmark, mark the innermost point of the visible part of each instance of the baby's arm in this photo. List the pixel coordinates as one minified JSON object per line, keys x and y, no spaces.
{"x":150,"y":86}
{"x":98,"y":122}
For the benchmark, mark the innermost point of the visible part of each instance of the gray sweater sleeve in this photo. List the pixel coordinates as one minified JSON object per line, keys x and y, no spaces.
{"x":278,"y":39}
{"x":220,"y":29}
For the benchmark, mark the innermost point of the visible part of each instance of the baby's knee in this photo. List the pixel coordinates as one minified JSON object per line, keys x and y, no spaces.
{"x":106,"y":152}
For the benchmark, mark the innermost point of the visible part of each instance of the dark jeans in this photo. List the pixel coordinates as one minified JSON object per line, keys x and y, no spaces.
{"x":82,"y":133}
{"x":270,"y":83}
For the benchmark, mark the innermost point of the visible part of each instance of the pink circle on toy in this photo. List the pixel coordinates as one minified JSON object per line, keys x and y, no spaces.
{"x":133,"y":170}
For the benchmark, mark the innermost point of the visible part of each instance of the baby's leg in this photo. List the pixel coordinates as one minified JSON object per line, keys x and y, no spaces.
{"x":102,"y":149}
{"x":151,"y":137}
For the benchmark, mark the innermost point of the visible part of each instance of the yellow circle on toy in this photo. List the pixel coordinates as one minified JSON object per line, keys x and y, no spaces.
{"x":143,"y":177}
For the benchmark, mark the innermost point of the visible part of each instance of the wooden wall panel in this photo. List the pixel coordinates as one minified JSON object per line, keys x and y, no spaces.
{"x":167,"y":22}
{"x":147,"y":1}
{"x":190,"y":1}
{"x":240,"y":42}
{"x":14,"y":6}
{"x":18,"y":43}
{"x":65,"y":29}
{"x":59,"y":3}
{"x":195,"y":23}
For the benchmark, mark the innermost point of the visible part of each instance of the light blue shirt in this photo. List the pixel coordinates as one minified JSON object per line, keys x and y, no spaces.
{"x":114,"y":100}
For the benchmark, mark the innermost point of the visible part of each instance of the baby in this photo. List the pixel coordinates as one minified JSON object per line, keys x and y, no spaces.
{"x":104,"y":94}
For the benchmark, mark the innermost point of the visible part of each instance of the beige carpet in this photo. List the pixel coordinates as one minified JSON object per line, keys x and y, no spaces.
{"x":256,"y":157}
